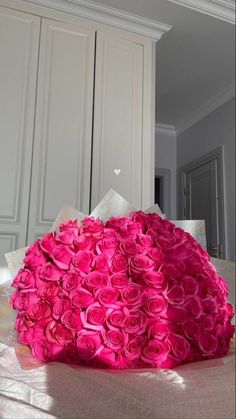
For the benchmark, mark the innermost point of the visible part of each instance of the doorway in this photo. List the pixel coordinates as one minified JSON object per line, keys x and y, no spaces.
{"x":162,"y":190}
{"x":202,"y":198}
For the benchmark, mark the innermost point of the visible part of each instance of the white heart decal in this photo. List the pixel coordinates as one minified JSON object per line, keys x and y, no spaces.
{"x":117,"y":172}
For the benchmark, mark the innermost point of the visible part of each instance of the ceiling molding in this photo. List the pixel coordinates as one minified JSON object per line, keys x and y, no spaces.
{"x":108,"y":15}
{"x":220,"y":9}
{"x":208,"y":107}
{"x":165,"y":129}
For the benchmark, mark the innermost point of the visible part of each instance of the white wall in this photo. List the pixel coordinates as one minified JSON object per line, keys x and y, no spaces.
{"x":165,"y":158}
{"x":215,"y":130}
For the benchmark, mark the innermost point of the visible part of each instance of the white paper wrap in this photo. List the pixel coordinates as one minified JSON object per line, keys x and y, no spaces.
{"x":112,"y":205}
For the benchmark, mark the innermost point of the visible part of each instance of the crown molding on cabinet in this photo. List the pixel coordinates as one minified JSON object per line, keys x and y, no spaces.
{"x":202,"y":111}
{"x":107,"y":15}
{"x":165,"y":129}
{"x":220,"y":9}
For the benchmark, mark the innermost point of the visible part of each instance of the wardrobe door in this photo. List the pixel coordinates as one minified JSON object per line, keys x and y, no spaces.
{"x":19,"y":43}
{"x":117,"y":141}
{"x":63,"y":128}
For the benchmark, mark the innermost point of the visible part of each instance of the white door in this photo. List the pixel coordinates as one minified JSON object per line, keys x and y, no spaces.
{"x":63,"y":128}
{"x":202,"y":195}
{"x":19,"y":43}
{"x":117,"y":138}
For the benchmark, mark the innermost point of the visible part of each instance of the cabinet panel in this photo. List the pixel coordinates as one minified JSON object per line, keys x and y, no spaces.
{"x":62,"y":149}
{"x":19,"y":43}
{"x":117,"y":142}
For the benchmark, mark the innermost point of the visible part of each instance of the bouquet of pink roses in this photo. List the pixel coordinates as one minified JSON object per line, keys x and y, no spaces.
{"x":131,"y":292}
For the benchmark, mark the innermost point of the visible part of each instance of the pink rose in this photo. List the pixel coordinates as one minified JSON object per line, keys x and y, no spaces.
{"x":28,"y":331}
{"x":135,"y":323}
{"x":114,"y":339}
{"x":171,"y":270}
{"x":179,"y":346}
{"x":190,"y":285}
{"x":176,"y":314}
{"x":194,"y":307}
{"x":34,"y":256}
{"x":20,"y":324}
{"x":120,"y":280}
{"x":145,"y":241}
{"x":60,"y":306}
{"x":129,"y":247}
{"x":83,"y":243}
{"x":180,"y":251}
{"x":71,"y":320}
{"x":134,"y":347}
{"x":41,"y":350}
{"x":92,"y":226}
{"x":156,"y":255}
{"x":133,"y":295}
{"x":88,"y":344}
{"x":69,"y":224}
{"x":171,"y":362}
{"x":223,"y":286}
{"x":109,"y":233}
{"x":207,"y":343}
{"x":48,"y":243}
{"x":142,"y":218}
{"x":191,"y":329}
{"x":94,"y":315}
{"x":229,"y":311}
{"x":114,"y":223}
{"x":48,"y":291}
{"x":166,"y":242}
{"x":107,"y":296}
{"x":155,"y":352}
{"x":183,"y":252}
{"x":159,"y":328}
{"x":67,"y":236}
{"x":116,"y":318}
{"x":119,"y":263}
{"x":23,"y":300}
{"x":224,"y":335}
{"x":131,"y":229}
{"x":82,"y":262}
{"x":155,"y":279}
{"x":28,"y":336}
{"x":38,"y":311}
{"x":70,"y":281}
{"x":175,"y":295}
{"x":95,"y":280}
{"x":212,"y":285}
{"x":140,"y":264}
{"x":155,"y":305}
{"x":179,"y":234}
{"x":49,"y":272}
{"x":100,"y":263}
{"x":106,"y":358}
{"x":57,"y":334}
{"x":107,"y":247}
{"x":81,"y":298}
{"x":209,"y":305}
{"x":62,"y":256}
{"x":24,"y":280}
{"x":206,"y":322}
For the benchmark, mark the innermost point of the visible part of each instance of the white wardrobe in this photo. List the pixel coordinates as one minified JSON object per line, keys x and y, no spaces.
{"x":76,"y":103}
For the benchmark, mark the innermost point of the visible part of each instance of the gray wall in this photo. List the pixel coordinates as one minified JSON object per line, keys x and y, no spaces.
{"x":165,"y":158}
{"x":215,"y":130}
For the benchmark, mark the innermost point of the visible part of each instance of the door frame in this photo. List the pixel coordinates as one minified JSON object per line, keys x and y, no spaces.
{"x":216,"y":154}
{"x":166,"y":193}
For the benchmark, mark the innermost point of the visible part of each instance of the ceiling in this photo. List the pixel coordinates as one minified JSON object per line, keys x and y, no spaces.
{"x":195,"y":60}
